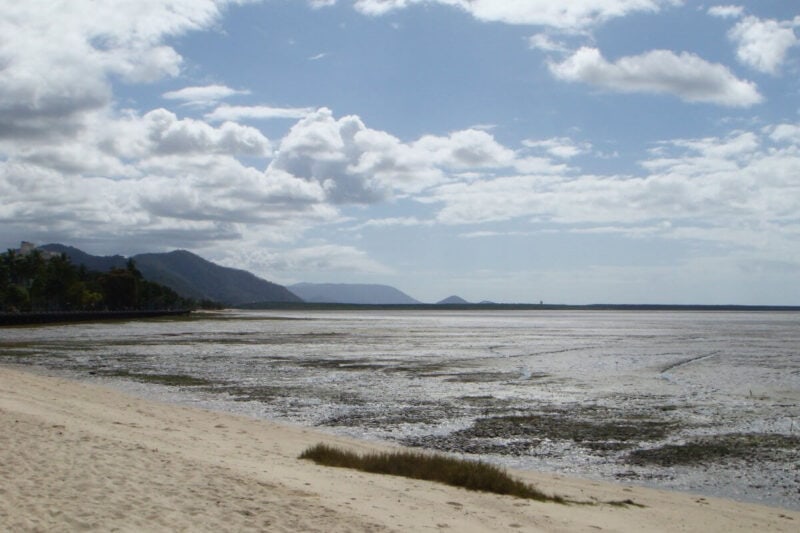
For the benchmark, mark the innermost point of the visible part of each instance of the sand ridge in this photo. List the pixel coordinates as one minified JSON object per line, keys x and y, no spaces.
{"x":78,"y":457}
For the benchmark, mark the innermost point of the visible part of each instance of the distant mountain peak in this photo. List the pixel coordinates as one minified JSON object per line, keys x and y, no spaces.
{"x":453,"y":300}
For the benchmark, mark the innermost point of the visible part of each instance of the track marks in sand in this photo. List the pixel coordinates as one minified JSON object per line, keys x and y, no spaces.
{"x":689,"y":360}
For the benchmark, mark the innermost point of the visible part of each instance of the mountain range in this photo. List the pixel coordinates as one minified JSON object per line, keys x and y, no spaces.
{"x":351,"y":293}
{"x":189,"y":275}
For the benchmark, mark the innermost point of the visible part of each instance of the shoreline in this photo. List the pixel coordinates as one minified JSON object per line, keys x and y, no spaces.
{"x":490,"y":306}
{"x":77,"y":455}
{"x":69,"y":317}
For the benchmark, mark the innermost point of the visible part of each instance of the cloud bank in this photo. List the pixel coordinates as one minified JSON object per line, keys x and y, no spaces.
{"x":572,"y":16}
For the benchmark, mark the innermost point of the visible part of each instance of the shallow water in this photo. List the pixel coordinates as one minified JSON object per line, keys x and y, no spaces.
{"x":577,"y":392}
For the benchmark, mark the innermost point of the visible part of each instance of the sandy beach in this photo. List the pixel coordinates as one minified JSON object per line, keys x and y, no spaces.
{"x":79,"y":457}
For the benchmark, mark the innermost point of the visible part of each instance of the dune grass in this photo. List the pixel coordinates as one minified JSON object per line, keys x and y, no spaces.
{"x":471,"y":475}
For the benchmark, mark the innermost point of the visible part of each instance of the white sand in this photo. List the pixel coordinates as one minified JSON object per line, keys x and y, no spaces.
{"x":76,"y":457}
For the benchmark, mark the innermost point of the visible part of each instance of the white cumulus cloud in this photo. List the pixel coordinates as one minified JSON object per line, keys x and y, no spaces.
{"x":727,"y":11}
{"x":309,"y":260}
{"x":788,"y":133}
{"x":560,"y":147}
{"x":203,"y":95}
{"x":166,"y":134}
{"x":259,"y":112}
{"x":763,"y":44}
{"x":684,"y":75}
{"x":542,"y":41}
{"x":58,"y":57}
{"x":732,"y":190}
{"x":357,"y":164}
{"x":574,"y":15}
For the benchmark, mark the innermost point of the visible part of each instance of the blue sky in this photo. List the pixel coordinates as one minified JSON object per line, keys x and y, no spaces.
{"x":620,"y":151}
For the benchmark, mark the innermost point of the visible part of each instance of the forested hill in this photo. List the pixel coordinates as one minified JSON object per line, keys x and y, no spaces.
{"x":35,"y":282}
{"x":189,"y":275}
{"x":195,"y":277}
{"x":91,"y":262}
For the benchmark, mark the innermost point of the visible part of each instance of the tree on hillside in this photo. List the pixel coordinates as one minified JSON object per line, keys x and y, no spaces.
{"x":30,"y":282}
{"x":120,"y":289}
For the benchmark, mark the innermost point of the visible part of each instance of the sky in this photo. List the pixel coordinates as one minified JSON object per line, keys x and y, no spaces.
{"x":590,"y":151}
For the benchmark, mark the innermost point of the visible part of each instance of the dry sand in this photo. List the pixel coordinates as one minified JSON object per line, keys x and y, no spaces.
{"x":79,"y":457}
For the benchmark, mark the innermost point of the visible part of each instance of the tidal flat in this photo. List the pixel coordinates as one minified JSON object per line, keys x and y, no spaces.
{"x":706,"y":402}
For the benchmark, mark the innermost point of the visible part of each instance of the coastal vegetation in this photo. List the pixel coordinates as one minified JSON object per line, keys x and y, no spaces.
{"x":471,"y":475}
{"x":45,"y":282}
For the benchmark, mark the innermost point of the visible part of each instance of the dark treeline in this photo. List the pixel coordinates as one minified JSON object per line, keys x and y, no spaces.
{"x":31,"y":282}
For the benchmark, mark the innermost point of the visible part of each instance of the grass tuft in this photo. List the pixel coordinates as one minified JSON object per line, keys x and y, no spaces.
{"x":471,"y":475}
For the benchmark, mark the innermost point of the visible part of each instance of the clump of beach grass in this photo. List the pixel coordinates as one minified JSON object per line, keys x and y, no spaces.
{"x":471,"y":475}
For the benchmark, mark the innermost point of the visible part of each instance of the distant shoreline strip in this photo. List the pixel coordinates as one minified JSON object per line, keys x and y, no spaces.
{"x":513,"y":307}
{"x":25,"y":319}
